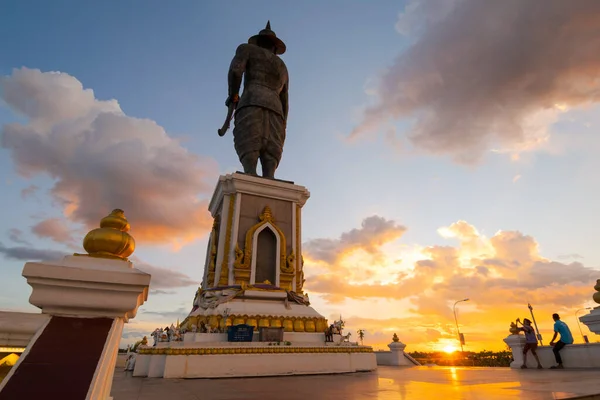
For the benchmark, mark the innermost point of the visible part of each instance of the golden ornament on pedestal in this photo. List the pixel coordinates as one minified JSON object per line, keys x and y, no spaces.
{"x":298,"y":325}
{"x":111,"y":240}
{"x":252,"y":322}
{"x":263,"y":322}
{"x":275,"y":323}
{"x":288,"y":325}
{"x":309,"y":326}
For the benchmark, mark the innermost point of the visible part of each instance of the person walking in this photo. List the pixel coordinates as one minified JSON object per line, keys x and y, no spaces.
{"x":530,"y":343}
{"x":565,"y":338}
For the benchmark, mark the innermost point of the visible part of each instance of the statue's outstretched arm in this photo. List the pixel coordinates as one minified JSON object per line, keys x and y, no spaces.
{"x":236,"y":70}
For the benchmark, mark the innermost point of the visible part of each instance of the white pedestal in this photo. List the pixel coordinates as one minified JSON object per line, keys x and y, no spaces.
{"x":156,"y":367}
{"x":397,"y":356}
{"x":592,"y":320}
{"x":248,"y":365}
{"x":87,"y":286}
{"x":142,"y":365}
{"x":516,"y":344}
{"x":83,"y":289}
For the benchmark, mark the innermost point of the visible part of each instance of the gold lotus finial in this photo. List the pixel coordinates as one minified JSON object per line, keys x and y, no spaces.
{"x":111,"y":240}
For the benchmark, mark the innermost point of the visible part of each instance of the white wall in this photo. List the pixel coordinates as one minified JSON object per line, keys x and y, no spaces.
{"x":238,"y":365}
{"x":573,"y":355}
{"x":383,"y":357}
{"x":387,"y":358}
{"x":17,"y":328}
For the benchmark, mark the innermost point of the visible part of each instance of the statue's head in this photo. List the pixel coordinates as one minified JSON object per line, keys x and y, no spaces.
{"x":267,"y":39}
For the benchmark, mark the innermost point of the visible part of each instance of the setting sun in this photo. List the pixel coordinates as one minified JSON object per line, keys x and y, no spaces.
{"x":450,"y":349}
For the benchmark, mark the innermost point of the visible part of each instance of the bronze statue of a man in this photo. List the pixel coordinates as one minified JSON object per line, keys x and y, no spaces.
{"x":261,"y":112}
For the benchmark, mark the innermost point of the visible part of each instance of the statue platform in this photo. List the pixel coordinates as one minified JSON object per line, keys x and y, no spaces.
{"x":244,"y":359}
{"x":253,"y":276}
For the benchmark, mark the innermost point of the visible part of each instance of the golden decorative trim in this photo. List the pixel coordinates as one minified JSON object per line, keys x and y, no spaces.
{"x":243,"y":260}
{"x":252,"y":350}
{"x":224,"y":276}
{"x":285,"y":281}
{"x":214,"y":243}
{"x":299,"y":266}
{"x":288,"y":266}
{"x":213,"y":247}
{"x":239,"y":258}
{"x":290,"y":324}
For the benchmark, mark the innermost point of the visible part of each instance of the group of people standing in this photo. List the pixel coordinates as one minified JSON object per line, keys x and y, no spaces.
{"x":531,"y":341}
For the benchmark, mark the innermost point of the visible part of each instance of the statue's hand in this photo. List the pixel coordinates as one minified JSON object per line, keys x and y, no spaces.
{"x":232,"y":99}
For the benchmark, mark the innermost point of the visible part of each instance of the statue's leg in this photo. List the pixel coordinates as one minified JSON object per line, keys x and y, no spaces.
{"x":272,"y":143}
{"x":249,"y":162}
{"x":269,"y":165}
{"x":246,"y":137}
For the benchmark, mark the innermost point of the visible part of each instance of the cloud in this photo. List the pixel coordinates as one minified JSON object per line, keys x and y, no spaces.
{"x":158,"y":292}
{"x":163,"y":278}
{"x":30,"y":254}
{"x":481,"y":76}
{"x":180,"y":313}
{"x":54,"y":229}
{"x":16,"y":235}
{"x":499,"y":274}
{"x":569,"y":256}
{"x":29,"y":191}
{"x":101,"y":159}
{"x":136,"y":334}
{"x":374,"y":232}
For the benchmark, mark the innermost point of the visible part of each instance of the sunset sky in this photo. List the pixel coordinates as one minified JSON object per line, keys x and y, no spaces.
{"x":450,"y":148}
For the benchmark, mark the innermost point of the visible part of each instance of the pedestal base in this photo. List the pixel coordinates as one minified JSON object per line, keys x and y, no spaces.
{"x":228,"y":360}
{"x":516,"y":344}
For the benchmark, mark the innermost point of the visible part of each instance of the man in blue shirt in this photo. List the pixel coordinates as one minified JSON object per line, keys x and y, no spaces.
{"x":565,"y":338}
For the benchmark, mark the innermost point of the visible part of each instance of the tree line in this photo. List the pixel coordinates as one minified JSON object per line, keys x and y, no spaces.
{"x":483,"y":358}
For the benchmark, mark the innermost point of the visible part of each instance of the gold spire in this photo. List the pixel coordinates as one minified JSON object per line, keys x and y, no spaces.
{"x":266,"y":215}
{"x":111,"y":240}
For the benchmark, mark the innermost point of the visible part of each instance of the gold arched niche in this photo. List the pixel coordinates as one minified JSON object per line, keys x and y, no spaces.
{"x":243,"y":259}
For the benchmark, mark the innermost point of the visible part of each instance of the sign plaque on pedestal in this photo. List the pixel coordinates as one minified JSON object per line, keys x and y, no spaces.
{"x":270,"y":334}
{"x":240,"y":333}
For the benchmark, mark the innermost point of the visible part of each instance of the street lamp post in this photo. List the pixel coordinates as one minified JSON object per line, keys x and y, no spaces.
{"x":585,"y":338}
{"x":539,"y":335}
{"x":460,"y":338}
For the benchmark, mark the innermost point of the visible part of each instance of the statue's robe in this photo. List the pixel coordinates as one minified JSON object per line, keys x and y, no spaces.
{"x":260,"y":115}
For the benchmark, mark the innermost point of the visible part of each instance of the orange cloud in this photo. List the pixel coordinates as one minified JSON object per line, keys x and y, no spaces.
{"x":101,"y":159}
{"x":500,"y":275}
{"x":54,"y":229}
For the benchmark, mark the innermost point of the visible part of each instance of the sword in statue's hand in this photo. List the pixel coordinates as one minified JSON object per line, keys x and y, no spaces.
{"x":232,"y":104}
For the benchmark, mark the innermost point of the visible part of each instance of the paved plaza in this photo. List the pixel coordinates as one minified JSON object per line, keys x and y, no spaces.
{"x":386,"y":383}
